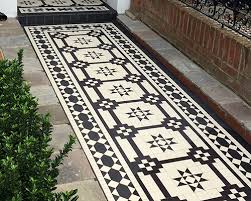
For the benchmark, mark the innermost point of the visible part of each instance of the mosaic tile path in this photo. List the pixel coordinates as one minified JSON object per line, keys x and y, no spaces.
{"x":51,"y":6}
{"x":144,"y":136}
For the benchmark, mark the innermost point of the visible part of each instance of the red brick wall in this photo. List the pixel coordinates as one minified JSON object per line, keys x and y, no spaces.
{"x":221,"y":52}
{"x":136,"y":6}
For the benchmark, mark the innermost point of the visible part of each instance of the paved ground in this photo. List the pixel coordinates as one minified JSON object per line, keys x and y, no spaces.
{"x":76,"y":171}
{"x":145,"y":137}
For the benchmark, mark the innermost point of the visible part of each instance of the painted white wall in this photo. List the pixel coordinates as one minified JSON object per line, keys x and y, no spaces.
{"x":9,"y":7}
{"x":112,"y":3}
{"x":119,"y":5}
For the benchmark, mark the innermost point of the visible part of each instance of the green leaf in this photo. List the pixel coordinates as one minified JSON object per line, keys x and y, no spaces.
{"x":27,"y":171}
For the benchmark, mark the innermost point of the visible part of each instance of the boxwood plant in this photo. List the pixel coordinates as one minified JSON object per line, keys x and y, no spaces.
{"x":28,"y":171}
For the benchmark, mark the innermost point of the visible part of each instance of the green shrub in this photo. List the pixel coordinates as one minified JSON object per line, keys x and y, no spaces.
{"x":27,"y":170}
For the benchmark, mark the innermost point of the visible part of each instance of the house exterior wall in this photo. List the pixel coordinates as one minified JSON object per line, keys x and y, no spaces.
{"x":119,"y":5}
{"x":9,"y":7}
{"x":221,"y":52}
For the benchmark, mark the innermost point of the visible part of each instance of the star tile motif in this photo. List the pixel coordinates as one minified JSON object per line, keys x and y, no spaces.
{"x":82,"y":41}
{"x":192,"y":180}
{"x":161,"y":142}
{"x":139,"y":113}
{"x":106,"y":71}
{"x":93,"y":54}
{"x":121,"y":90}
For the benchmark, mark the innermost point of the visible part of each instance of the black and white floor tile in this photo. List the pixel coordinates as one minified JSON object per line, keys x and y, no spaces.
{"x":145,"y":137}
{"x":57,"y":6}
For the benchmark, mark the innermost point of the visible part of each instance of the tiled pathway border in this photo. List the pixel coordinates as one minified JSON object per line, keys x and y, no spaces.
{"x":224,"y":102}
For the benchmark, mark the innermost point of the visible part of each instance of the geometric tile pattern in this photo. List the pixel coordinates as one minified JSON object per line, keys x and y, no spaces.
{"x":145,"y":137}
{"x":60,"y":6}
{"x":192,"y":180}
{"x":161,"y":142}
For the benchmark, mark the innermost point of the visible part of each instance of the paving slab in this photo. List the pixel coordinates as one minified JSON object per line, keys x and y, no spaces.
{"x":28,"y":54}
{"x":45,"y":95}
{"x":36,"y":78}
{"x":160,"y":44}
{"x":133,"y":25}
{"x":239,"y":110}
{"x":14,"y":41}
{"x":60,"y":136}
{"x":56,"y":112}
{"x":147,"y":35}
{"x":248,"y":127}
{"x":30,"y":60}
{"x":32,"y":65}
{"x":75,"y":167}
{"x":202,"y":79}
{"x":88,"y":190}
{"x":221,"y":94}
{"x":5,"y":31}
{"x":179,"y":60}
{"x":10,"y":23}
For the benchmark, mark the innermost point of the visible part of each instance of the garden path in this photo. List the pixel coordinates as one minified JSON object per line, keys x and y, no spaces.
{"x":146,"y":136}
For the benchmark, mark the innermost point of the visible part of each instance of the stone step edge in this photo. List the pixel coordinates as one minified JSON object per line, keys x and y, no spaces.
{"x":232,"y":119}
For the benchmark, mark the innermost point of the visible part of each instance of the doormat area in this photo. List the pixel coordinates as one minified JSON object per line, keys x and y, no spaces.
{"x":145,"y":137}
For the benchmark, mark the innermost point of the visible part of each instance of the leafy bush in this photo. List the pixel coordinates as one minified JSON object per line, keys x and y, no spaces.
{"x":27,"y":170}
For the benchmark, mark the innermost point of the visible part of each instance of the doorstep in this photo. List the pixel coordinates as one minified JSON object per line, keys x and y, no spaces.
{"x":225,"y":103}
{"x":63,"y":12}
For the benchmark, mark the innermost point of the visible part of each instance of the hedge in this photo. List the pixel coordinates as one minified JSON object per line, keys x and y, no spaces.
{"x":28,"y":172}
